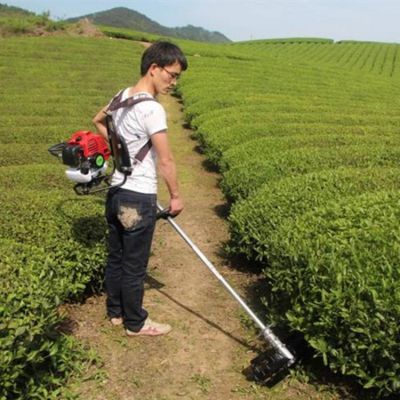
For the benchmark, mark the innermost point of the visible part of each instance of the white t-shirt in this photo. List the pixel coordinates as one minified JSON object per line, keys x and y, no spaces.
{"x":136,"y":124}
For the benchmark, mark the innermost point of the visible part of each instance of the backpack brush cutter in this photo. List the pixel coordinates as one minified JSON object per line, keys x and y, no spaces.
{"x":86,"y":154}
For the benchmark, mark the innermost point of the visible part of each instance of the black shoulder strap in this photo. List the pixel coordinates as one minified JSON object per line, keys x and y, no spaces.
{"x":116,"y":104}
{"x":129,"y":102}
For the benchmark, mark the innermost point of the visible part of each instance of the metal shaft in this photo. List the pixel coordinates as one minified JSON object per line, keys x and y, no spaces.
{"x":267,"y":333}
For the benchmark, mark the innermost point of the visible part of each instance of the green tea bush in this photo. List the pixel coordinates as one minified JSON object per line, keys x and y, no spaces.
{"x":20,"y":154}
{"x":266,"y":147}
{"x":56,"y":252}
{"x":298,"y":130}
{"x":340,"y":280}
{"x":52,"y":242}
{"x":220,"y":133}
{"x":129,"y":34}
{"x":35,"y":356}
{"x":245,"y":177}
{"x":254,"y":222}
{"x":377,"y":58}
{"x":43,"y":177}
{"x":216,"y":143}
{"x":73,"y":228}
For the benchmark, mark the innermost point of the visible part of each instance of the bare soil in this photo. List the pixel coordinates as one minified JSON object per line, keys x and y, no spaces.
{"x":207,"y":352}
{"x":84,"y":28}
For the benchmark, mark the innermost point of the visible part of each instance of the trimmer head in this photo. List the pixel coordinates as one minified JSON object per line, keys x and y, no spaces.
{"x":271,"y":366}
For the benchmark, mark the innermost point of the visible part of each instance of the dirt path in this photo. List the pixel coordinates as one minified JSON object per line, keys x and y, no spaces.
{"x":204,"y":355}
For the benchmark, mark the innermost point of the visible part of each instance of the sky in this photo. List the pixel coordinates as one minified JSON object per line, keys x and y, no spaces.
{"x":370,"y":20}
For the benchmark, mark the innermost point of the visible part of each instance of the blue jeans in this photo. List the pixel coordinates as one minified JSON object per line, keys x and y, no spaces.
{"x":131,"y":218}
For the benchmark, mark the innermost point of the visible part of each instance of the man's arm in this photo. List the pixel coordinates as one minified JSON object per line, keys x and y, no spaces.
{"x":167,"y":170}
{"x":99,"y":122}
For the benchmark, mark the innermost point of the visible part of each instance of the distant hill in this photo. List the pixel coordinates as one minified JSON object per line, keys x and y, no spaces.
{"x":15,"y":21}
{"x":5,"y":9}
{"x":122,"y":17}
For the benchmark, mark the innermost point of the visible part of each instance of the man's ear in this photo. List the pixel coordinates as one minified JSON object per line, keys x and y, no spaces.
{"x":152,"y":69}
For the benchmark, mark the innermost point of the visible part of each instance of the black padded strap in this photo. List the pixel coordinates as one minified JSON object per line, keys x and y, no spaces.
{"x":129,"y":102}
{"x":141,"y":154}
{"x":116,"y":104}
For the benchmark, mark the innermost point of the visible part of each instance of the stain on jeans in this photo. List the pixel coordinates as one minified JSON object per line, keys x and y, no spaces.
{"x":129,"y":216}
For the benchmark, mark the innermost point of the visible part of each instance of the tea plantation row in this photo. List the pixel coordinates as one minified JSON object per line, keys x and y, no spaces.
{"x":308,"y":152}
{"x":51,"y":242}
{"x":378,"y":58}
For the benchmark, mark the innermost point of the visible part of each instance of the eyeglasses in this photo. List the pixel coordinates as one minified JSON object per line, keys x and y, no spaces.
{"x":173,"y":75}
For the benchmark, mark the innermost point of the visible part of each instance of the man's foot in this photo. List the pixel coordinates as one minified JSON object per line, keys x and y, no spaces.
{"x":116,"y":321}
{"x":151,"y":328}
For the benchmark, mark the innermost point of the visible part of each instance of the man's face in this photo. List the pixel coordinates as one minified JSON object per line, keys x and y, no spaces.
{"x":166,"y":77}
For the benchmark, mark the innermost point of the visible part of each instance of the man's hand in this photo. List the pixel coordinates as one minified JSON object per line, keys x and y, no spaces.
{"x":175,"y":206}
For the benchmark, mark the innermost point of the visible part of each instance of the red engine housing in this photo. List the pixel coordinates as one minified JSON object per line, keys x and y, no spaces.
{"x":90,"y":143}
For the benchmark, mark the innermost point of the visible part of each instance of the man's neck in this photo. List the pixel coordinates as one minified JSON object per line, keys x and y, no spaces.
{"x":144,"y":85}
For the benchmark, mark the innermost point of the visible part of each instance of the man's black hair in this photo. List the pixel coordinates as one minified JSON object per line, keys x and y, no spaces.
{"x":162,"y":54}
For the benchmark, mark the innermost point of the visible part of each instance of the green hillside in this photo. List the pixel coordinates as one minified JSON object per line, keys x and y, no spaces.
{"x":306,"y":135}
{"x":121,"y":17}
{"x":17,"y":21}
{"x":11,"y":10}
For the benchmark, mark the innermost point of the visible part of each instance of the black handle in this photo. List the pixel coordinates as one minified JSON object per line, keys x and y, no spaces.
{"x":56,"y":150}
{"x":164,"y":214}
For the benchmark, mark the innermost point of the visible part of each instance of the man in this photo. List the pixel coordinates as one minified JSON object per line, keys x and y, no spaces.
{"x":131,"y":209}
